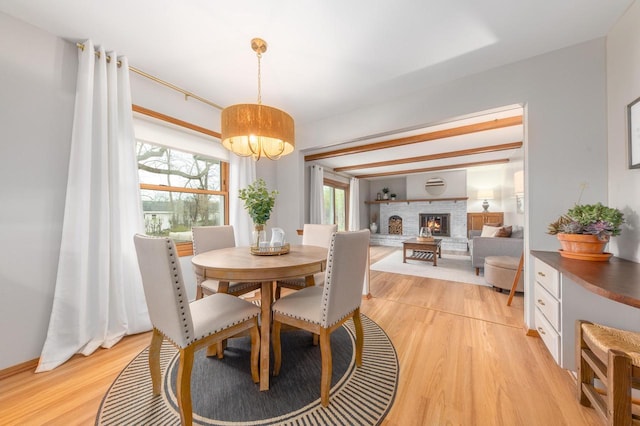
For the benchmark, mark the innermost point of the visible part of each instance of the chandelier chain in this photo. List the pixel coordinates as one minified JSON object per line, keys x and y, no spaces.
{"x":259,"y":83}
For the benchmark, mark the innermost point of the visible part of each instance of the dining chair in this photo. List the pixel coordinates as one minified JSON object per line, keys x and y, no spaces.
{"x":613,"y":356}
{"x":322,"y":309}
{"x":206,"y":238}
{"x":188,"y":326}
{"x":312,"y":235}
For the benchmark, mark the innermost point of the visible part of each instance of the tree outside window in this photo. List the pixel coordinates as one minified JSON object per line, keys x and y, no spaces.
{"x":180,"y":190}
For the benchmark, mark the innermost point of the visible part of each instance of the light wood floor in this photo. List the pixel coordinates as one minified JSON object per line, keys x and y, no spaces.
{"x":464,"y":360}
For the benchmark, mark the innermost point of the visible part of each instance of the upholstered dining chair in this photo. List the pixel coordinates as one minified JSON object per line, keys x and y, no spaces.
{"x":322,"y":309}
{"x":206,"y":238}
{"x":613,"y":356}
{"x":188,"y":326}
{"x":312,"y":235}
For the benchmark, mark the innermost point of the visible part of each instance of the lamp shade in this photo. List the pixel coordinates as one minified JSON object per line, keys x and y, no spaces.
{"x":257,"y":130}
{"x":518,"y":182}
{"x":485,"y":194}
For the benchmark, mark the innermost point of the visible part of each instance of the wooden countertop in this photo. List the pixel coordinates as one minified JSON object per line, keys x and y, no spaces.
{"x":617,"y":279}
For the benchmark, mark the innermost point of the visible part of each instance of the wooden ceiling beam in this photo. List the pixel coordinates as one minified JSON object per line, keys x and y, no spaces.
{"x":434,"y":169}
{"x":450,"y":154}
{"x":424,"y":137}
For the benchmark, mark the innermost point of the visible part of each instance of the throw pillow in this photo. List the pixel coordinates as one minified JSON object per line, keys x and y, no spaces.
{"x":489,"y":231}
{"x":504,"y":232}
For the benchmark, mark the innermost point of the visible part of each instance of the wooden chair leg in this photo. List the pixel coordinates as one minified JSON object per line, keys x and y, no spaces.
{"x":154,"y":361}
{"x":516,"y":279}
{"x":277,"y":350}
{"x":220,"y":349}
{"x":278,"y":291}
{"x":618,"y":388}
{"x":255,"y":352}
{"x":477,"y":271}
{"x":357,"y":322}
{"x":584,"y":373}
{"x":183,"y":385}
{"x":327,"y":366}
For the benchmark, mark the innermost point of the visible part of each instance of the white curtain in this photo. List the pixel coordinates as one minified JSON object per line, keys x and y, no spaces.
{"x":354,"y":204}
{"x":316,"y":195}
{"x":242,"y":172}
{"x":98,"y":295}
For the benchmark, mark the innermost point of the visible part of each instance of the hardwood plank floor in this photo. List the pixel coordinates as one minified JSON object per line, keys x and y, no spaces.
{"x":464,"y":360}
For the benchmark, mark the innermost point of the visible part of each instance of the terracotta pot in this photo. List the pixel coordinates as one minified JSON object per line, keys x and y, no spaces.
{"x":582,"y":243}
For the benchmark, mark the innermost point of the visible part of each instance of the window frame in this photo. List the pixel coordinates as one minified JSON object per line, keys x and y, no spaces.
{"x":335,"y":184}
{"x":186,"y":248}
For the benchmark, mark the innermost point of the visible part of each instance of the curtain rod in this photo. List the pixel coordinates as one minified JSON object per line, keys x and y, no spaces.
{"x":186,"y":93}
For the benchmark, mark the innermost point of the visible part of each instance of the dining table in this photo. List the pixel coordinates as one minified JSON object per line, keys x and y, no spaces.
{"x":239,"y":264}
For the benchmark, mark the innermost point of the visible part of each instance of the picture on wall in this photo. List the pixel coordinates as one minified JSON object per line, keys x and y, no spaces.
{"x":633,"y":119}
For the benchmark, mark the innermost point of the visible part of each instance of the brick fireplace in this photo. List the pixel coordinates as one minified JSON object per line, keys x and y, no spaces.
{"x":452,"y":213}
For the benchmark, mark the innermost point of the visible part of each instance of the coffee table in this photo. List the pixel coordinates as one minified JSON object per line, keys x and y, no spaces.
{"x":422,"y":250}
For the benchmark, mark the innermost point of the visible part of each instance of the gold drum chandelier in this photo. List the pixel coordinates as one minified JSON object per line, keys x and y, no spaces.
{"x":257,"y":130}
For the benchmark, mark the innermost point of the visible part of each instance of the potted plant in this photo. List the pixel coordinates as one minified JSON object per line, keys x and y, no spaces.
{"x":385,"y":195}
{"x":585,"y":230}
{"x":393,"y":196}
{"x":258,"y":202}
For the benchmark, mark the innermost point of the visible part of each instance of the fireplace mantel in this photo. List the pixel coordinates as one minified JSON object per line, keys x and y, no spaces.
{"x":428,"y":200}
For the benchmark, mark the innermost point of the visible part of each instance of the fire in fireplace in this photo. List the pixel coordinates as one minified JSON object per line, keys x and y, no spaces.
{"x":439,"y":223}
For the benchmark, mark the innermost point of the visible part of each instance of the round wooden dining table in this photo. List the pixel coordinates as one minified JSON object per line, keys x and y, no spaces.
{"x":238,"y":264}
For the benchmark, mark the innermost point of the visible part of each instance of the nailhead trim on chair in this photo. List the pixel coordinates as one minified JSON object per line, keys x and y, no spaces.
{"x":179,"y":290}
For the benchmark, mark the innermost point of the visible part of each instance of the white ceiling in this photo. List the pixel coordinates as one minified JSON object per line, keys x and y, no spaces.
{"x":325,"y":57}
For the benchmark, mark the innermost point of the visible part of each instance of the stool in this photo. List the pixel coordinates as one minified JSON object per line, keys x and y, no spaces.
{"x":612,"y":356}
{"x":500,"y":271}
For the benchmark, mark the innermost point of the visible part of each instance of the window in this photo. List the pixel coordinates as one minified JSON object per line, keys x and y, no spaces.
{"x":336,"y":196}
{"x":180,"y":190}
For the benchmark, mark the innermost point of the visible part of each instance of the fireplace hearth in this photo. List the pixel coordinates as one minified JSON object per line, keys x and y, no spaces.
{"x":439,"y":223}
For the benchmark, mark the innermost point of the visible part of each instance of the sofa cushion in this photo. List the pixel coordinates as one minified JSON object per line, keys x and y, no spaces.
{"x":489,"y":231}
{"x":504,"y":232}
{"x":517,"y":232}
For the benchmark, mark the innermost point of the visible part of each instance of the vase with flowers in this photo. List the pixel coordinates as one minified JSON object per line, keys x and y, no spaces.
{"x":585,"y":230}
{"x":258,"y":202}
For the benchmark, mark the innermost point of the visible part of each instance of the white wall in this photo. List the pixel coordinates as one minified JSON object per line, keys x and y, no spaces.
{"x":565,"y":133}
{"x":623,"y":87}
{"x":37,"y":82}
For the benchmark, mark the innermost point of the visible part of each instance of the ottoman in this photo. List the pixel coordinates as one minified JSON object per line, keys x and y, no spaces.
{"x":499,"y":271}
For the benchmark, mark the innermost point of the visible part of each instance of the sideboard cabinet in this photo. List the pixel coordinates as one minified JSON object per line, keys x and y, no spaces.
{"x":566,"y":290}
{"x":475,"y":221}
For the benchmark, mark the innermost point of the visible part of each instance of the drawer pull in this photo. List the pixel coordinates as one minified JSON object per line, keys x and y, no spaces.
{"x":541,"y":330}
{"x":541,"y":274}
{"x":541,"y":302}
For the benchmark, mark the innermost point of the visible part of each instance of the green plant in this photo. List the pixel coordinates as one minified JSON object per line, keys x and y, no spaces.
{"x":595,"y":219}
{"x":258,"y":201}
{"x":385,"y":190}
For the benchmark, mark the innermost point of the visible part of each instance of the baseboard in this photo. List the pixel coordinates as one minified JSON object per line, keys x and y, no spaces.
{"x":19,"y":368}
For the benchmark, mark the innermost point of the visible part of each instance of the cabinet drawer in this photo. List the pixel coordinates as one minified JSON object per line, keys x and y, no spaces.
{"x":547,"y":277}
{"x":548,"y":335}
{"x":548,"y":305}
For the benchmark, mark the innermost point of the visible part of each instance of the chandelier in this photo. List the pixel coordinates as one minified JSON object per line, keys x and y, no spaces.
{"x":254,"y":129}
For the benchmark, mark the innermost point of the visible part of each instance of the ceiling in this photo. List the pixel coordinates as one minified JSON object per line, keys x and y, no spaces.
{"x":329,"y":57}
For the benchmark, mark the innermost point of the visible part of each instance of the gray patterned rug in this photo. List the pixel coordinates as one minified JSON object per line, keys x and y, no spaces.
{"x":224,"y":394}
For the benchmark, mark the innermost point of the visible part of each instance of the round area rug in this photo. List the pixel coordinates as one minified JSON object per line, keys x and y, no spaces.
{"x":223,"y":393}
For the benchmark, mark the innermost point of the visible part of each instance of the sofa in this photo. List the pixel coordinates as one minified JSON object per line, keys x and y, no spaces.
{"x":482,"y":247}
